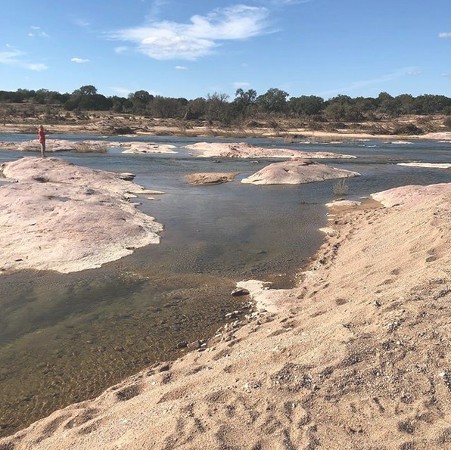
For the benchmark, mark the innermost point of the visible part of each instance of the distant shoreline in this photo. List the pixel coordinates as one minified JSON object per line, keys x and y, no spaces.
{"x":135,"y":126}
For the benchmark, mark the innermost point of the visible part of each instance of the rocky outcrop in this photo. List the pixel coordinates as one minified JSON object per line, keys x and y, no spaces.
{"x":87,"y":146}
{"x":62,"y":217}
{"x":245,"y":150}
{"x":210,"y":178}
{"x":297,"y":171}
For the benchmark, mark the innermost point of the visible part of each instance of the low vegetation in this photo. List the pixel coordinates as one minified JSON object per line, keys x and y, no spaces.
{"x":341,"y":187}
{"x":91,"y":147}
{"x":247,"y":113}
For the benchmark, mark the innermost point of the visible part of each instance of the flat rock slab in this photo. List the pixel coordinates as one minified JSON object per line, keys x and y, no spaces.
{"x":297,"y":171}
{"x":87,"y":146}
{"x":59,"y":216}
{"x":210,"y":178}
{"x":147,"y":147}
{"x":427,"y":165}
{"x":245,"y":150}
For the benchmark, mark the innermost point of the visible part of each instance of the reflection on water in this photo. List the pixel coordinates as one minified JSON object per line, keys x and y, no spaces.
{"x":64,"y":338}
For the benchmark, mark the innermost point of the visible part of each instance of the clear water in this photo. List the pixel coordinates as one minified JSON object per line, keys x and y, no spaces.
{"x":65,"y":338}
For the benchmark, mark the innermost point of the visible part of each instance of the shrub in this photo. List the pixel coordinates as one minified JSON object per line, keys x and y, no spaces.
{"x":90,"y":147}
{"x":122,"y":130}
{"x":408,"y":128}
{"x":341,"y":187}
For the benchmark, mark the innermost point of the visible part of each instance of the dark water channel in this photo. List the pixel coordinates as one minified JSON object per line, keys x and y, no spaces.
{"x":65,"y":338}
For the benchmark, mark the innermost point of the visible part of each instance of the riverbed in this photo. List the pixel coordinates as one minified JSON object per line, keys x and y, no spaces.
{"x":65,"y":338}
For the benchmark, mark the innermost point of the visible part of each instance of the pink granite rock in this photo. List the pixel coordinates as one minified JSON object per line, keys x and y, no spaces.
{"x":62,"y":217}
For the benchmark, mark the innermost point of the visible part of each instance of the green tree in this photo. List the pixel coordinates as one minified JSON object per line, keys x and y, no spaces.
{"x":387,"y":105}
{"x":140,"y":100}
{"x":244,"y":101}
{"x":89,"y":89}
{"x":196,"y":109}
{"x":273,"y":101}
{"x":306,"y":105}
{"x":217,"y":106}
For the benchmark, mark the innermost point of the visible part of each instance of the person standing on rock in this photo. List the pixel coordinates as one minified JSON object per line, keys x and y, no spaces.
{"x":41,"y":136}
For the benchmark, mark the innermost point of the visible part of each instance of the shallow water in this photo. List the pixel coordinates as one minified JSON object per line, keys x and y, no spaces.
{"x":64,"y":338}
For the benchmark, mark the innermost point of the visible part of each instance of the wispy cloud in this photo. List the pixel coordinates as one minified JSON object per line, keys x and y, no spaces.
{"x":156,"y":9}
{"x":81,"y":22}
{"x":446,"y":75}
{"x":288,"y":2}
{"x":79,"y":60}
{"x":241,"y":84}
{"x":121,"y":91}
{"x":445,"y":35}
{"x":406,"y":71}
{"x":37,"y":32}
{"x":14,"y":57}
{"x":121,"y":49}
{"x":166,"y":40}
{"x":181,"y":68}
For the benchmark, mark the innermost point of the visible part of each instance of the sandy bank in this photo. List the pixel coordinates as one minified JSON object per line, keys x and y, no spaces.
{"x":59,"y":216}
{"x":429,"y":165}
{"x":358,"y":356}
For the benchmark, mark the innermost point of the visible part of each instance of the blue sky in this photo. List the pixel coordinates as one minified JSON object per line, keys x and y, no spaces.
{"x":192,"y":48}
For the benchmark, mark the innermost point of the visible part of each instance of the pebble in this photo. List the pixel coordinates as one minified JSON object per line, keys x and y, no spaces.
{"x":238,"y":292}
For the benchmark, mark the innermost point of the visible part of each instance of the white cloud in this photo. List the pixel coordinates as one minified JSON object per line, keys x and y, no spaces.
{"x":14,"y":58}
{"x":121,"y":91}
{"x":445,"y":35}
{"x":36,"y":67}
{"x":81,"y":22}
{"x":241,"y":84}
{"x":407,"y":71}
{"x":289,"y":2}
{"x":446,"y":75}
{"x":121,"y":49}
{"x":181,"y":68}
{"x":80,"y":60}
{"x":37,"y":32}
{"x":156,"y":8}
{"x":166,"y":40}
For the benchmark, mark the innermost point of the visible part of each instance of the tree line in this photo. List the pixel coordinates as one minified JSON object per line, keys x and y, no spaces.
{"x":245,"y":105}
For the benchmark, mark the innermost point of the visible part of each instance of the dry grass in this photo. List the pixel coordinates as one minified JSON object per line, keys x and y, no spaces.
{"x":89,"y":147}
{"x":341,"y":187}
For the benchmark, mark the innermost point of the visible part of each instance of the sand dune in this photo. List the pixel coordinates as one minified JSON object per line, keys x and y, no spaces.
{"x":357,"y":356}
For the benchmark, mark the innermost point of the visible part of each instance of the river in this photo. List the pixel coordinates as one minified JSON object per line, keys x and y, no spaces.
{"x":65,"y":338}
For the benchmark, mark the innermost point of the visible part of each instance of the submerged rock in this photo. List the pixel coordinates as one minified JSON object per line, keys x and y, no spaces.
{"x":210,"y":178}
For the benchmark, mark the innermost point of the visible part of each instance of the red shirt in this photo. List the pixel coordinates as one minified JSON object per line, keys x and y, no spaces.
{"x":41,"y":135}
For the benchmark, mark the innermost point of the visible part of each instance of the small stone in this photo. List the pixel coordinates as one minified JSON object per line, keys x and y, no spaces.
{"x":238,"y":292}
{"x":182,"y":344}
{"x":233,"y":315}
{"x":127,"y":176}
{"x":194,"y":345}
